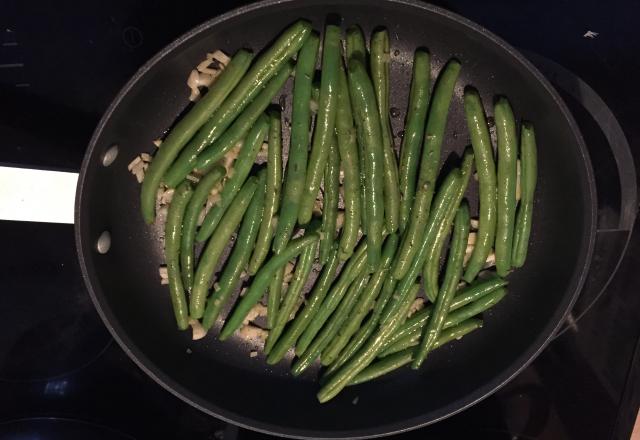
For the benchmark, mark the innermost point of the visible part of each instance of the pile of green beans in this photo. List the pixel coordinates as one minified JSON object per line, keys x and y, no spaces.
{"x":365,"y":271}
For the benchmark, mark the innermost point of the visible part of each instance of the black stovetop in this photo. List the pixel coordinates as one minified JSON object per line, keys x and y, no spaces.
{"x":62,"y":376}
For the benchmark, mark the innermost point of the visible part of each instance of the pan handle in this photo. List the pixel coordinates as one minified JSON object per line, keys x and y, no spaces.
{"x":36,"y":195}
{"x":615,"y":220}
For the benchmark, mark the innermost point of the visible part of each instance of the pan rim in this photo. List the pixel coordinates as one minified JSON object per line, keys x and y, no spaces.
{"x":499,"y":380}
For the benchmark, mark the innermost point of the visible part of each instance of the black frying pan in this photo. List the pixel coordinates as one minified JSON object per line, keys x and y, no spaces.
{"x":220,"y":378}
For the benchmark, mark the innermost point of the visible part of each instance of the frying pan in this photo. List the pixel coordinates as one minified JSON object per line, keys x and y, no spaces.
{"x":221,"y":378}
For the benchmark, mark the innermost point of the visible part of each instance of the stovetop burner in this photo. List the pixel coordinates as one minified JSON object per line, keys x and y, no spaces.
{"x":57,"y":429}
{"x":51,"y":326}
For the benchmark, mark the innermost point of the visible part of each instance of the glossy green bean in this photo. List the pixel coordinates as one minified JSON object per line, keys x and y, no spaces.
{"x":239,"y":257}
{"x":369,"y":136}
{"x":348,"y":274}
{"x":187,"y":127}
{"x":413,"y":134}
{"x":300,"y":276}
{"x":272,"y":197}
{"x":463,"y":297}
{"x":364,"y":332}
{"x":173,"y":232}
{"x":397,"y":360}
{"x":356,"y":48}
{"x":365,"y":303}
{"x":241,"y":169}
{"x":268,"y":65}
{"x":298,"y":147}
{"x":243,"y":124}
{"x":486,"y":169}
{"x":190,"y":222}
{"x":330,"y":330}
{"x":437,"y":240}
{"x":348,"y":148}
{"x":302,"y":319}
{"x":444,"y":199}
{"x":379,"y":64}
{"x":507,"y":175}
{"x":261,"y":281}
{"x":356,"y":44}
{"x":455,"y":317}
{"x":450,"y":283}
{"x":528,"y":162}
{"x":325,"y":122}
{"x":330,"y":202}
{"x":429,"y":164}
{"x":355,"y":365}
{"x":212,"y":252}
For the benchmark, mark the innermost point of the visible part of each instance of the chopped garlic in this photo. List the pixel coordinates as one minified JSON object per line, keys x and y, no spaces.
{"x":253,"y":354}
{"x":157,"y":142}
{"x":474,"y":224}
{"x":255,"y":312}
{"x":198,"y":331}
{"x":254,"y":334}
{"x":164,"y":275}
{"x":263,"y":153}
{"x":491,"y":260}
{"x":471,"y":240}
{"x":138,"y":166}
{"x":288,"y":272}
{"x":418,"y":304}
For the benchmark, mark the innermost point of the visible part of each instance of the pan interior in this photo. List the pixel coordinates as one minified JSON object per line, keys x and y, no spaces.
{"x":222,"y":378}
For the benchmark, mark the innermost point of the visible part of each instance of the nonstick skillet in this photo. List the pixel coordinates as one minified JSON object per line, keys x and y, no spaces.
{"x":120,"y":254}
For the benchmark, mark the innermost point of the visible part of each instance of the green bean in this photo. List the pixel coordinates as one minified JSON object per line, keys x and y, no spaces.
{"x":268,"y":65}
{"x":173,"y":232}
{"x":528,"y":162}
{"x":443,"y":201}
{"x":429,"y":164}
{"x":453,"y":318}
{"x":272,"y":197}
{"x":242,"y":125}
{"x":261,"y":281}
{"x":397,"y":360}
{"x":300,"y":276}
{"x":436,"y":241}
{"x":274,"y":296}
{"x":506,"y":202}
{"x":330,"y":330}
{"x":369,"y":136}
{"x":356,"y":44}
{"x":190,"y":222}
{"x":212,"y":252}
{"x":346,"y":134}
{"x":239,"y":256}
{"x":325,"y":122}
{"x":380,"y":60}
{"x":187,"y":127}
{"x":452,"y":276}
{"x":413,"y":134}
{"x":330,"y":202}
{"x":364,"y":332}
{"x":241,"y":169}
{"x":349,"y":273}
{"x":372,"y":289}
{"x":297,"y":160}
{"x":302,"y":319}
{"x":463,"y":297}
{"x":356,"y":48}
{"x":355,"y":365}
{"x":481,"y":143}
